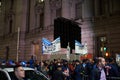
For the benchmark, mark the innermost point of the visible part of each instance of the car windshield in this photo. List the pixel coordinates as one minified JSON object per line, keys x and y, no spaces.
{"x":31,"y":75}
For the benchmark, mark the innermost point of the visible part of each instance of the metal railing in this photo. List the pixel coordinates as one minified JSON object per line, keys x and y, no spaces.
{"x":113,"y":78}
{"x":85,"y":77}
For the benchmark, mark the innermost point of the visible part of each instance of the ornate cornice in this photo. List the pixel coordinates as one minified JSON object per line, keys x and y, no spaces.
{"x":39,"y":8}
{"x":55,"y":4}
{"x":79,"y":1}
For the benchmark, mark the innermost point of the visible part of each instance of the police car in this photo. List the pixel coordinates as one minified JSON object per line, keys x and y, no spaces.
{"x":30,"y":73}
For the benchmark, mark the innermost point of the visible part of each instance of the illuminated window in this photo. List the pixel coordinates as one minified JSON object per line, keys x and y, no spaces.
{"x":40,"y":1}
{"x":103,"y":39}
{"x":0,"y":5}
{"x":101,"y":49}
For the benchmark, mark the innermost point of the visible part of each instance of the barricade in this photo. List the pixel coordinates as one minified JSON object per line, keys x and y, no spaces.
{"x":85,"y":77}
{"x":113,"y":78}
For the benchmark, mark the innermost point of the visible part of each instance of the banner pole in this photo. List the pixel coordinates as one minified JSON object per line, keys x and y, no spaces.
{"x":18,"y":37}
{"x":68,"y":52}
{"x":41,"y":56}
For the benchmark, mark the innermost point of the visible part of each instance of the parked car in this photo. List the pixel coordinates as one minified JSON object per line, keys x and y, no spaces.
{"x":30,"y":74}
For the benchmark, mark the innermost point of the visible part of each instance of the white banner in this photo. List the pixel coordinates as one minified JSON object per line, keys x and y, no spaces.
{"x":50,"y":47}
{"x":56,"y":44}
{"x":79,"y":48}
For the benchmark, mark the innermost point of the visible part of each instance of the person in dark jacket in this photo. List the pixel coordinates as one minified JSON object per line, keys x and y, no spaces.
{"x":58,"y":74}
{"x":65,"y":70}
{"x":113,"y":72}
{"x":77,"y":71}
{"x":98,"y":72}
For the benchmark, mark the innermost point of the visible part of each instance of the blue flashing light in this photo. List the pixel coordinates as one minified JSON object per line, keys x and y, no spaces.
{"x":23,"y":63}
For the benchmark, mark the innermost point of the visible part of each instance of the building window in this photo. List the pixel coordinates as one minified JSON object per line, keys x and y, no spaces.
{"x":10,"y":26}
{"x":78,"y":10}
{"x":116,"y":7}
{"x":42,"y":20}
{"x":101,"y":7}
{"x":102,"y":47}
{"x":103,"y":39}
{"x":28,"y":17}
{"x":12,"y":4}
{"x":58,"y":12}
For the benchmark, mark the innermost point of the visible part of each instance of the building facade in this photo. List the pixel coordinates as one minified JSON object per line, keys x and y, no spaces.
{"x":23,"y":24}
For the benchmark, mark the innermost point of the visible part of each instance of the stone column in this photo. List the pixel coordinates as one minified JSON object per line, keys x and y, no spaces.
{"x":47,"y":14}
{"x":65,"y":9}
{"x":72,"y":9}
{"x":86,"y":27}
{"x":38,"y":20}
{"x":87,"y":10}
{"x":32,"y":14}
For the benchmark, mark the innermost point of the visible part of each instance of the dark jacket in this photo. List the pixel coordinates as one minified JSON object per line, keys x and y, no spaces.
{"x":58,"y":75}
{"x":113,"y":72}
{"x":17,"y":78}
{"x":95,"y":74}
{"x":78,"y":72}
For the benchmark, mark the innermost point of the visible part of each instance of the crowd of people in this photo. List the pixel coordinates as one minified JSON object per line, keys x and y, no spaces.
{"x":61,"y":69}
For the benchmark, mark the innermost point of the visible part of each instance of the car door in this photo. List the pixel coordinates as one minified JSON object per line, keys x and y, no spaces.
{"x":3,"y":76}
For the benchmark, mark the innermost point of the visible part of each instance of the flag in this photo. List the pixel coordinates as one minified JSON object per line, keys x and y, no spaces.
{"x":46,"y":42}
{"x":78,"y":47}
{"x":56,"y":45}
{"x":46,"y":46}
